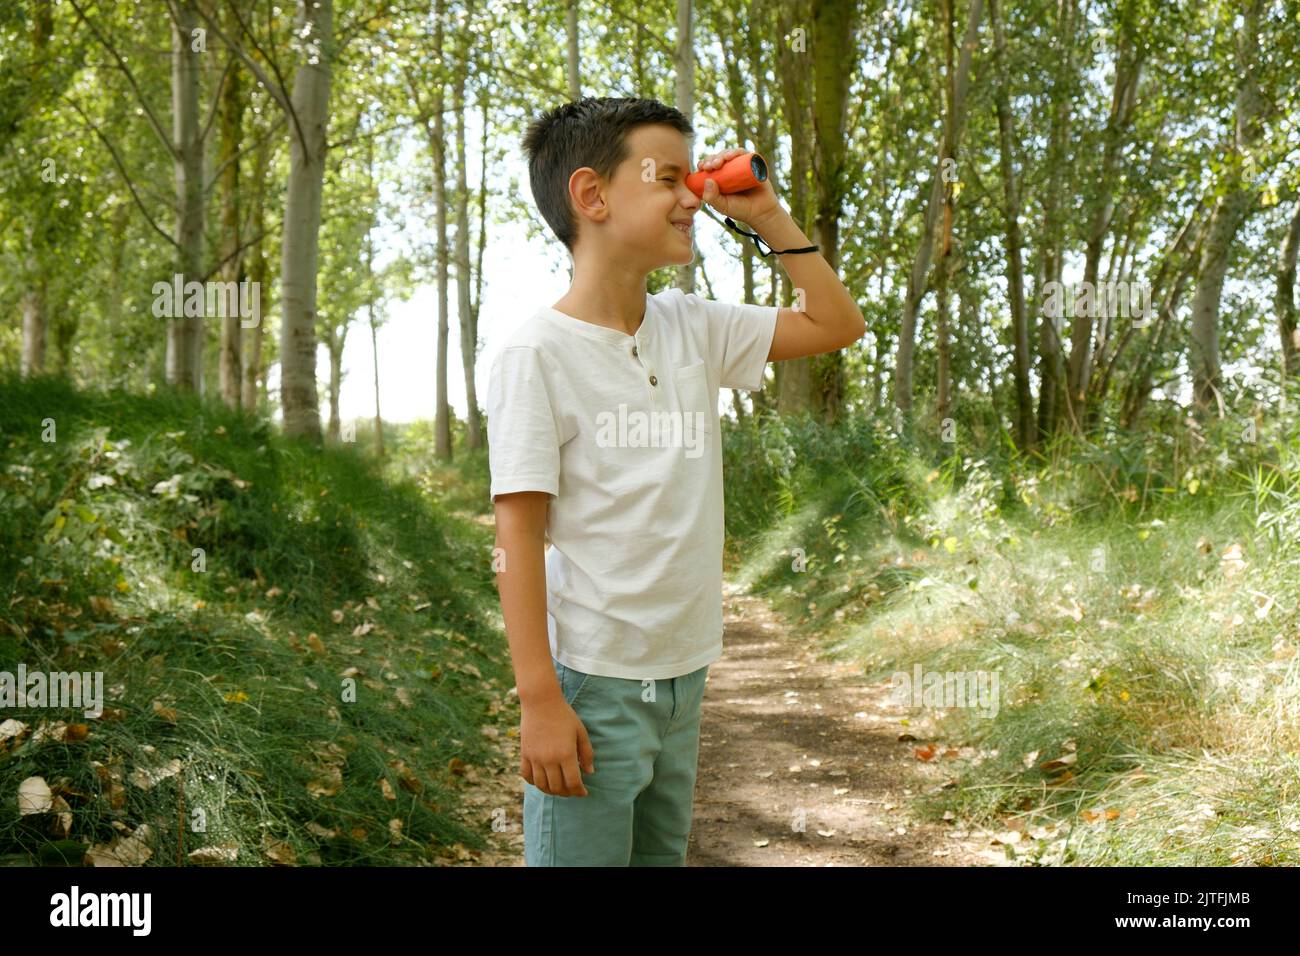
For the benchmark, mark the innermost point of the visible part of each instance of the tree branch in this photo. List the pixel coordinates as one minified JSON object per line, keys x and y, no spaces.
{"x":216,"y":100}
{"x":235,"y":252}
{"x":277,"y":89}
{"x":130,"y":78}
{"x":117,"y":159}
{"x":271,"y":130}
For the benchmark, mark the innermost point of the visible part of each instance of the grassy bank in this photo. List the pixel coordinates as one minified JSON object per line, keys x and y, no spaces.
{"x":1139,"y":603}
{"x":298,"y":653}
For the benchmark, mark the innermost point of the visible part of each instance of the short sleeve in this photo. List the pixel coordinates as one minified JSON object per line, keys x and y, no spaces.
{"x":523,"y":441}
{"x":740,"y":336}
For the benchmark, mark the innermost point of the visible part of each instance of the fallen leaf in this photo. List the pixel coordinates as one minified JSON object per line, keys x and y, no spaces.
{"x":327,"y":785}
{"x":11,"y":730}
{"x":1059,"y":762}
{"x":34,"y":796}
{"x":111,"y":778}
{"x":63,"y":817}
{"x":214,"y":855}
{"x":1092,"y":816}
{"x":146,"y":778}
{"x":131,"y":850}
{"x":277,"y":851}
{"x":55,"y":731}
{"x":1231,"y":561}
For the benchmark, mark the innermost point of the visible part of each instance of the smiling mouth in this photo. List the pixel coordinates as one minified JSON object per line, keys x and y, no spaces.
{"x":683,"y":227}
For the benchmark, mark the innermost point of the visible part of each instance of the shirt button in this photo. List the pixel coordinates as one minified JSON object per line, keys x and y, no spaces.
{"x":634,"y":350}
{"x":653,"y":380}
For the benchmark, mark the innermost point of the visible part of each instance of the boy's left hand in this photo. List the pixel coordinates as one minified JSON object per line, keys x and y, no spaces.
{"x":752,"y":206}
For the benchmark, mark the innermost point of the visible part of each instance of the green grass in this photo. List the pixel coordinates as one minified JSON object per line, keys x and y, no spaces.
{"x":1101,"y":585}
{"x":1098,"y":581}
{"x":322,"y":670}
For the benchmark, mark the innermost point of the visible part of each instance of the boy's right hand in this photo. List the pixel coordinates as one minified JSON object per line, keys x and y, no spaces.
{"x":552,"y":742}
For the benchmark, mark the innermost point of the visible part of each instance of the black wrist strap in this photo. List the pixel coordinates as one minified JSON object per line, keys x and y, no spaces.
{"x":757,"y":240}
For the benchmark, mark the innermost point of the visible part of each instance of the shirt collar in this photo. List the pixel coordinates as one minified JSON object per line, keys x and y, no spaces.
{"x":604,"y":333}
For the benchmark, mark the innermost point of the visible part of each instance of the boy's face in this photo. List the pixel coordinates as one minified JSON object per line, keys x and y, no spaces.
{"x":649,"y":211}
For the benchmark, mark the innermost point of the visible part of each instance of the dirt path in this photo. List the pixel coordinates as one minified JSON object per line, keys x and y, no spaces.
{"x":800,"y":765}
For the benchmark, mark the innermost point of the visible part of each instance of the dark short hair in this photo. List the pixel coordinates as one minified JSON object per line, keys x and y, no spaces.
{"x":591,"y":132}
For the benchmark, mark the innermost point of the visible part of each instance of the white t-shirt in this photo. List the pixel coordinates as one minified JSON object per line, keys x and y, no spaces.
{"x":623,"y":431}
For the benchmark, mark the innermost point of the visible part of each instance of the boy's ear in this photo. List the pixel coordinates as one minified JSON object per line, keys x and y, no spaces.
{"x":587,"y":192}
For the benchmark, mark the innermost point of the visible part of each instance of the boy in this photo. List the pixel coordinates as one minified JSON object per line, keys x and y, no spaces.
{"x":612,"y":630}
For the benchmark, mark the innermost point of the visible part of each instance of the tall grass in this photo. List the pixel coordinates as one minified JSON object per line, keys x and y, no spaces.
{"x":1136,"y":595}
{"x":301,"y":646}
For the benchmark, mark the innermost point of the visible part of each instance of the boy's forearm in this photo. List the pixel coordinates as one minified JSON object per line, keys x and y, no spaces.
{"x":522,"y":588}
{"x":826,"y":300}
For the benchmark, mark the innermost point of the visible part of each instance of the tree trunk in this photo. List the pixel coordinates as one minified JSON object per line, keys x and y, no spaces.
{"x":1051,"y":369}
{"x":185,"y":334}
{"x":684,"y":101}
{"x":374,"y":353}
{"x":464,"y":275}
{"x":1179,"y":252}
{"x":334,"y":346}
{"x":794,"y":377}
{"x":302,"y":213}
{"x":943,"y":351}
{"x":442,"y":412}
{"x":1285,"y":299}
{"x":743,"y":66}
{"x":835,"y":54}
{"x":232,"y":118}
{"x":33,"y":305}
{"x":571,"y":47}
{"x":472,"y":389}
{"x":934,"y":207}
{"x":1128,"y":70}
{"x":1230,"y":213}
{"x":1011,"y":214}
{"x":34,"y":327}
{"x":944,"y":268}
{"x":252,"y":379}
{"x":32,"y":359}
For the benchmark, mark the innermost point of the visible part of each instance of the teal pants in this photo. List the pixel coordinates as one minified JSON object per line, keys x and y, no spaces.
{"x":637,"y":812}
